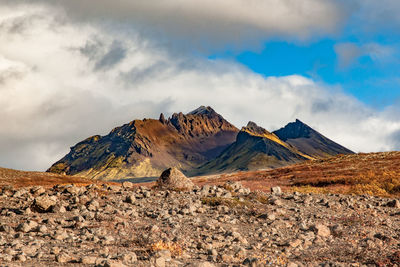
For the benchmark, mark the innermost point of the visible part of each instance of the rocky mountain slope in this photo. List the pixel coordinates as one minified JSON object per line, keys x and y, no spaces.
{"x":209,"y":226}
{"x":309,"y":141}
{"x":200,"y":142}
{"x":254,"y":148}
{"x":146,"y":147}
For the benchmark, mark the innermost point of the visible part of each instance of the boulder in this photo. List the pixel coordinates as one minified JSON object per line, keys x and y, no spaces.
{"x":174,"y":179}
{"x":43,"y":203}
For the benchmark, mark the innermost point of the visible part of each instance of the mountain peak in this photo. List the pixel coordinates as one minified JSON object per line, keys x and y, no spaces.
{"x":309,"y":141}
{"x":254,"y":129}
{"x":296,"y":129}
{"x":202,"y":110}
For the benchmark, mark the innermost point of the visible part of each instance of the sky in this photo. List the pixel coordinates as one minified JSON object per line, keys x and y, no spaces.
{"x":73,"y":69}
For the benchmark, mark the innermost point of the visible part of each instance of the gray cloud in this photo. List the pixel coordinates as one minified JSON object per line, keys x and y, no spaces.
{"x":349,"y":53}
{"x":211,"y":24}
{"x":378,"y":16}
{"x":115,"y":54}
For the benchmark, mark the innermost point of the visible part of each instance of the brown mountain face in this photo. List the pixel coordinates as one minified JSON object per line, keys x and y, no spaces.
{"x":255,"y":148}
{"x":146,"y":147}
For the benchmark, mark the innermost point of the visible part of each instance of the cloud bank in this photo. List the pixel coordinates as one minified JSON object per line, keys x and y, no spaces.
{"x":62,"y":81}
{"x":209,"y":24}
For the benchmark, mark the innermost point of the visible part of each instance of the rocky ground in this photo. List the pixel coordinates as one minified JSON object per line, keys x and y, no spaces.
{"x":225,"y":225}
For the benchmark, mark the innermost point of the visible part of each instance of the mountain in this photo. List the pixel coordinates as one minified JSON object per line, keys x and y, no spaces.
{"x":309,"y":141}
{"x":146,"y":147}
{"x":255,"y":148}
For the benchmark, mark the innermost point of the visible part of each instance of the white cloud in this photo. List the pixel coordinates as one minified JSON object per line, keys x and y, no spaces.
{"x":66,"y":81}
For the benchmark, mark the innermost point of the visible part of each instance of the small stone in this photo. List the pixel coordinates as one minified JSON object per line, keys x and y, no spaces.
{"x":275,"y":201}
{"x":295,"y":243}
{"x":27,"y":226}
{"x":130,"y":199}
{"x":322,"y":230}
{"x":130,"y":258}
{"x":395,"y":203}
{"x":154,"y":229}
{"x":88,"y":260}
{"x":113,"y":263}
{"x":5,"y":228}
{"x":127,"y":185}
{"x":253,"y":262}
{"x":63,"y":258}
{"x":276,"y":190}
{"x":201,"y":264}
{"x":21,"y":258}
{"x":43,"y":204}
{"x":55,"y":250}
{"x":166,"y":254}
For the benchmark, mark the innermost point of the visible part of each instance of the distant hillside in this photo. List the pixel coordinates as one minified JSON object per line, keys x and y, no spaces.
{"x":146,"y":147}
{"x":17,"y":179}
{"x":309,"y":141}
{"x":365,"y":173}
{"x":255,"y":148}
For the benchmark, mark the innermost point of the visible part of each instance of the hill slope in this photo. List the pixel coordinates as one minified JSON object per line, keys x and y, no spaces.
{"x":255,"y":148}
{"x":309,"y":141}
{"x":146,"y":147}
{"x":18,"y":178}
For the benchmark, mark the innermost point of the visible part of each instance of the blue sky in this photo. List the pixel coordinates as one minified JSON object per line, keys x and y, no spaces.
{"x":371,"y":77}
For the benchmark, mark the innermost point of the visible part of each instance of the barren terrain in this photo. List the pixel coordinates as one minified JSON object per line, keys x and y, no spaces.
{"x":238,"y":219}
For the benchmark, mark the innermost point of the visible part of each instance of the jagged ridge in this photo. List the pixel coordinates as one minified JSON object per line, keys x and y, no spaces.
{"x":146,"y":147}
{"x":255,"y":148}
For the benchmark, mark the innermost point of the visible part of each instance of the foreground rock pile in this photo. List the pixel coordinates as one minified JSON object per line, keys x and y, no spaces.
{"x":209,"y":226}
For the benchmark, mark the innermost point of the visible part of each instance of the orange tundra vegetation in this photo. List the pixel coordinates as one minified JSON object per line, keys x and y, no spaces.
{"x":9,"y":177}
{"x":365,"y":173}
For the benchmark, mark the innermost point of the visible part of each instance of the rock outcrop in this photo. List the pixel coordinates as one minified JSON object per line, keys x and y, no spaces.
{"x":173,"y":179}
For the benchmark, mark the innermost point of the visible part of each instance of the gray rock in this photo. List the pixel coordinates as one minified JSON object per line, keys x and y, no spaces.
{"x":322,"y":230}
{"x":27,"y":226}
{"x":276,"y":190}
{"x":88,"y":260}
{"x":63,"y":258}
{"x":113,"y":263}
{"x":201,"y":264}
{"x":129,"y":258}
{"x":43,"y":203}
{"x":127,"y":185}
{"x":395,"y":203}
{"x":130,"y":199}
{"x":174,"y":179}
